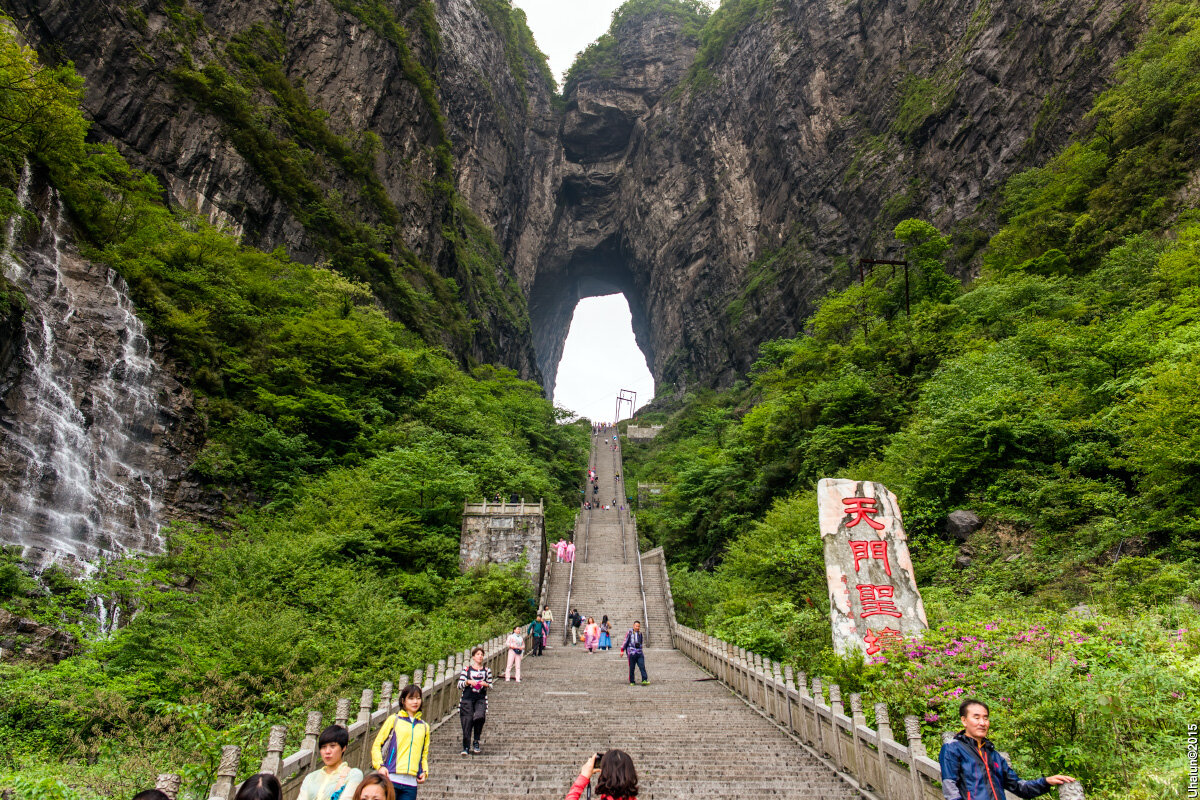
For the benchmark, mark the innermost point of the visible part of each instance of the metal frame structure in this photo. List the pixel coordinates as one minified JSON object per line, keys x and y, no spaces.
{"x":625,"y":396}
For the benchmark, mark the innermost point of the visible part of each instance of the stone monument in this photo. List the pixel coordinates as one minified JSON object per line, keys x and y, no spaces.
{"x":873,"y":594}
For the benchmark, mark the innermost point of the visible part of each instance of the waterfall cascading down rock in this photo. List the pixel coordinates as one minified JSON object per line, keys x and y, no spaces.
{"x":77,"y":475}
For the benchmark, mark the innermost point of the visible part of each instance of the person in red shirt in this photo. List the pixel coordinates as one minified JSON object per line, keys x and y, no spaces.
{"x":618,"y":779}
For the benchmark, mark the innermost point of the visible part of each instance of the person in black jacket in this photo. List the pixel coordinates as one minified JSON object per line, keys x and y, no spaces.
{"x":576,"y":620}
{"x":474,"y":680}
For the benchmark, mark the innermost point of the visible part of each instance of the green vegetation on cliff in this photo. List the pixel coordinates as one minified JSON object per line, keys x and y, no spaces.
{"x":601,"y":61}
{"x":1055,"y":397}
{"x":363,"y":437}
{"x":519,"y":46}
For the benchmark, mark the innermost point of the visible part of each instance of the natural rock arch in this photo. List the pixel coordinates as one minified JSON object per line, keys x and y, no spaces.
{"x":591,"y":273}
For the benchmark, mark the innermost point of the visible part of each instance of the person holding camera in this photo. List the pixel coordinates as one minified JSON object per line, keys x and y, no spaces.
{"x":618,"y":779}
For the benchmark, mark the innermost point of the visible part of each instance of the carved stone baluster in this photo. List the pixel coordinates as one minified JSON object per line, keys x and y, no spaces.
{"x":342,"y":715}
{"x":385,"y":696}
{"x":364,"y":705}
{"x":222,"y":788}
{"x":819,"y":700}
{"x":168,"y":783}
{"x":789,"y":686}
{"x":857,"y":718}
{"x":916,"y":749}
{"x":883,"y":728}
{"x":835,"y":711}
{"x":312,"y":733}
{"x":273,"y":760}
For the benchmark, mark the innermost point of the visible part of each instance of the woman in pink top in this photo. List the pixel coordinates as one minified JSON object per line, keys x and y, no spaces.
{"x":591,"y":635}
{"x":570,"y":552}
{"x":561,"y":548}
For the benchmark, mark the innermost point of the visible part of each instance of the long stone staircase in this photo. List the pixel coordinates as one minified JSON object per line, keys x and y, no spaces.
{"x":689,"y":736}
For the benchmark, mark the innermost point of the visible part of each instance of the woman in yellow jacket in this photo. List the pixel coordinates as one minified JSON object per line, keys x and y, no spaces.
{"x":401,"y":749}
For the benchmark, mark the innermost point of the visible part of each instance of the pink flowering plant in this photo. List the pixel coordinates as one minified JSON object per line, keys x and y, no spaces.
{"x":1103,"y":698}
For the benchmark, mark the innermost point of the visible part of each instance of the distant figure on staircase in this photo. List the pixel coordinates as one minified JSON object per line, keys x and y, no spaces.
{"x":591,"y":635}
{"x":537,"y":630}
{"x":971,"y":767}
{"x":618,"y":779}
{"x":570,"y":552}
{"x":633,"y":651}
{"x":516,"y":646}
{"x":548,"y":618}
{"x":605,"y":637}
{"x":560,"y":547}
{"x":474,"y":680}
{"x":576,"y":622}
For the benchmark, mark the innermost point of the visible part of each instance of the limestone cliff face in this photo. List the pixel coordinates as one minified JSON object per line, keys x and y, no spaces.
{"x":726,"y":202}
{"x":155,"y":74}
{"x":722,"y":196}
{"x":296,"y":124}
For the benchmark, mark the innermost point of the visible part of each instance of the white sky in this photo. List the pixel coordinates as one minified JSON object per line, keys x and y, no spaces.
{"x":563,"y":28}
{"x":600,"y":358}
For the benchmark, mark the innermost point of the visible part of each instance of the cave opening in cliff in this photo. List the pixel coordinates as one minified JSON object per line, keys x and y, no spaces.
{"x":601,"y":357}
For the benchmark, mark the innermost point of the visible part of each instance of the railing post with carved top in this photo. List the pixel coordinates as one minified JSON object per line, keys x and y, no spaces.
{"x":835,"y":710}
{"x":779,"y":690}
{"x":883,"y":728}
{"x":168,"y":783}
{"x":856,"y":719}
{"x":342,"y":715}
{"x":222,"y":789}
{"x":440,"y":689}
{"x":273,"y":760}
{"x":428,"y":686}
{"x":312,"y":733}
{"x":385,"y":696}
{"x":1071,"y":791}
{"x":802,"y":703}
{"x":818,"y":697}
{"x":789,"y":687}
{"x":364,"y":705}
{"x":916,"y":749}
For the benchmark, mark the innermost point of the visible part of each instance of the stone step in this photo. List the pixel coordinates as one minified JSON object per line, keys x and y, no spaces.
{"x":688,"y":736}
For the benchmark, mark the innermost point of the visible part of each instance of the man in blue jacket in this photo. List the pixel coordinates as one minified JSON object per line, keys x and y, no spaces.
{"x":973,"y":770}
{"x":633,"y":650}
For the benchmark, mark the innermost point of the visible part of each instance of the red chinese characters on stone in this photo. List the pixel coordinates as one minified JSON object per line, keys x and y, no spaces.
{"x":877,"y":600}
{"x":876,"y":550}
{"x":862,"y":509}
{"x":875,"y":640}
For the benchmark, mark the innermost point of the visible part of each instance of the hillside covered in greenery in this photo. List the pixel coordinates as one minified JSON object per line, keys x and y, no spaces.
{"x":1055,"y":396}
{"x":350,"y":444}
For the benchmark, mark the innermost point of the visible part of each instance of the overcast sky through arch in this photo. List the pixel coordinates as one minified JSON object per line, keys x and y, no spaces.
{"x":600,"y":357}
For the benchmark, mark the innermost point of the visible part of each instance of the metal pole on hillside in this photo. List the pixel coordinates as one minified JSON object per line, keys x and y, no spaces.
{"x":625,"y":396}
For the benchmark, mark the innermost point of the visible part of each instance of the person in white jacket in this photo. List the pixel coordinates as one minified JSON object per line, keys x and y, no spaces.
{"x":516,"y":646}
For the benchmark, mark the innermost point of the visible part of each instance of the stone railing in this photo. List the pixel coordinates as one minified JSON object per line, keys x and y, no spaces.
{"x":642,"y":433}
{"x":505,"y":507}
{"x":655,"y":558}
{"x":439,"y":685}
{"x":869,"y":759}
